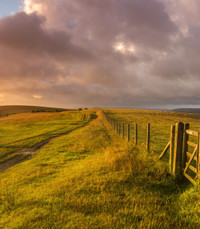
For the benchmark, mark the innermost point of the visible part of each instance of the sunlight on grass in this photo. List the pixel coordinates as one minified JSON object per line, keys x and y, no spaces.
{"x":91,"y":178}
{"x":22,"y":131}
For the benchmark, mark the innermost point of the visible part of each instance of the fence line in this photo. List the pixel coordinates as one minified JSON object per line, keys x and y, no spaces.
{"x":119,"y":128}
{"x":182,"y":162}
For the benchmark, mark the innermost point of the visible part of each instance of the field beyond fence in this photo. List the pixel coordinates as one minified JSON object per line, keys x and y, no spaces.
{"x":183,"y":161}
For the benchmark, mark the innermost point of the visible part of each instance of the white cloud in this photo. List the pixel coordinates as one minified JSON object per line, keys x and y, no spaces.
{"x":32,"y":6}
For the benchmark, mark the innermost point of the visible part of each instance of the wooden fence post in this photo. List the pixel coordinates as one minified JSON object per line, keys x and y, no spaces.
{"x":171,"y":147}
{"x":128,"y":132}
{"x":123,"y":130}
{"x":185,"y":145}
{"x":148,"y":137}
{"x":119,"y":128}
{"x":178,"y":146}
{"x":136,"y":134}
{"x":198,"y":156}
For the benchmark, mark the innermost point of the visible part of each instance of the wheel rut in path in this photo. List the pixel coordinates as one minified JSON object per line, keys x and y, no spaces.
{"x":24,"y":155}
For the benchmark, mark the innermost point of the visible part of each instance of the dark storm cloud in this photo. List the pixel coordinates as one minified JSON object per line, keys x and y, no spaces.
{"x":183,"y":63}
{"x":145,"y":22}
{"x":26,"y":33}
{"x":109,"y":52}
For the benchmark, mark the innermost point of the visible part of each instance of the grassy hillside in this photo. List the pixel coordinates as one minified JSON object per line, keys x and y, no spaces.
{"x":91,"y":178}
{"x":9,"y":110}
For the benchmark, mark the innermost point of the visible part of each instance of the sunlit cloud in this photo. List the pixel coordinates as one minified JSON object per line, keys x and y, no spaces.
{"x":32,"y":6}
{"x":124,"y":48}
{"x":37,"y":96}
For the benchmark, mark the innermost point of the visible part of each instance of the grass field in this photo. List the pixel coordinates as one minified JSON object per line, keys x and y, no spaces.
{"x":23,"y":131}
{"x":91,"y":178}
{"x":16,"y":109}
{"x":160,"y":122}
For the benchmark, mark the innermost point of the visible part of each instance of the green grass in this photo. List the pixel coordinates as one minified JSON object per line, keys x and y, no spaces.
{"x":16,"y":109}
{"x":160,"y":122}
{"x":23,"y":131}
{"x":91,"y":178}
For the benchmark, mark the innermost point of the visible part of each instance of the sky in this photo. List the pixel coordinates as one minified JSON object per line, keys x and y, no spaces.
{"x":9,"y":7}
{"x":108,"y":53}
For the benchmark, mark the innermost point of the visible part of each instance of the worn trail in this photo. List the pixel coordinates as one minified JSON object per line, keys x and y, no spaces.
{"x":23,"y":155}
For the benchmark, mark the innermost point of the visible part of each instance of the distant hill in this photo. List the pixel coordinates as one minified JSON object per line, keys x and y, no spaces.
{"x":188,"y":110}
{"x":15,"y":109}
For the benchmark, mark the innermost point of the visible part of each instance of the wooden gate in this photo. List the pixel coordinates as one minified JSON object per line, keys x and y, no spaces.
{"x":184,"y":156}
{"x":191,"y":158}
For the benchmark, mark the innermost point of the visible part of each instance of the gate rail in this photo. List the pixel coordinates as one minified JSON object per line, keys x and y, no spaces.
{"x":182,"y":161}
{"x":191,"y":160}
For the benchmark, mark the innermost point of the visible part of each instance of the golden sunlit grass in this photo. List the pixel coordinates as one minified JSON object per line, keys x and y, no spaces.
{"x":91,"y":178}
{"x":22,"y":131}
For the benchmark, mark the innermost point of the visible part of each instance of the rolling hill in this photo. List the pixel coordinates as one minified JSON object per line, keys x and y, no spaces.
{"x":16,"y":109}
{"x":187,"y":110}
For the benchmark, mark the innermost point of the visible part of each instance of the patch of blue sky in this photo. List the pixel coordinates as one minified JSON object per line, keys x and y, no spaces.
{"x":9,"y":7}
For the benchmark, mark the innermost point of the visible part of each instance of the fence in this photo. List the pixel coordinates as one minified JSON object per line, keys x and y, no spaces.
{"x":184,"y":154}
{"x":124,"y":130}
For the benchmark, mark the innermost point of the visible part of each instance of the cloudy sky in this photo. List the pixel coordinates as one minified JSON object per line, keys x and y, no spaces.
{"x":107,"y":53}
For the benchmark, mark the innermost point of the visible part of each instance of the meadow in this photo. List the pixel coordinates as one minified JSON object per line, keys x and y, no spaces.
{"x":91,"y":177}
{"x":21,"y":132}
{"x":160,"y":122}
{"x":16,"y":109}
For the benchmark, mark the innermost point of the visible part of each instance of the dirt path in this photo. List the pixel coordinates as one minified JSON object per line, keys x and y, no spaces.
{"x":25,"y":155}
